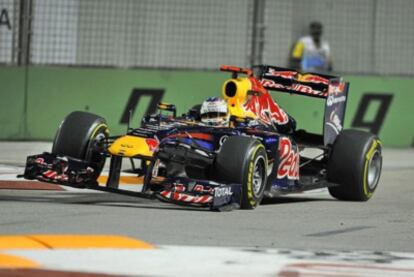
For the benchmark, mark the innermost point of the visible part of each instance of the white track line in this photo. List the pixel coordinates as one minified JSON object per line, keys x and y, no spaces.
{"x":216,"y":261}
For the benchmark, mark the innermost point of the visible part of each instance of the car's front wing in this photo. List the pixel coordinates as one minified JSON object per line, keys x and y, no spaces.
{"x":62,"y":170}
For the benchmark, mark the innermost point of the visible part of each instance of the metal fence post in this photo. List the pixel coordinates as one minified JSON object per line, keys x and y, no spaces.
{"x":258,"y":38}
{"x":23,"y":58}
{"x":25,"y":16}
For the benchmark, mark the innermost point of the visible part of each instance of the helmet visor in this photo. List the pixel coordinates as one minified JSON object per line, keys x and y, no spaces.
{"x":211,"y":115}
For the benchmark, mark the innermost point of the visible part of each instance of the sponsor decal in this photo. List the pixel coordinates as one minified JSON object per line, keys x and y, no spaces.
{"x":336,"y":87}
{"x":331,"y":100}
{"x":220,"y":192}
{"x":270,"y":140}
{"x":311,"y":78}
{"x":203,"y":189}
{"x":152,"y":144}
{"x":334,"y":122}
{"x":40,"y":161}
{"x":289,"y":160}
{"x":54,"y":175}
{"x":295,"y":87}
{"x":264,"y":107}
{"x":179,"y":188}
{"x":272,"y":84}
{"x":283,"y":74}
{"x":186,"y":198}
{"x":306,"y":89}
{"x":334,"y":110}
{"x":223,"y":139}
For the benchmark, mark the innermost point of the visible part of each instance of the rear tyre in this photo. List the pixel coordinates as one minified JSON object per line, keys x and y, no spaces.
{"x":243,"y":160}
{"x":81,"y":136}
{"x":355,"y":165}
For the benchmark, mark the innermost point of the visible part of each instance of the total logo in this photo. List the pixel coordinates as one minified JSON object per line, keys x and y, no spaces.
{"x":220,"y":192}
{"x":289,"y":160}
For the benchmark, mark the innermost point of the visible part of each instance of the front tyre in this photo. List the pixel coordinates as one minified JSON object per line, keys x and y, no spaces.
{"x":243,"y":160}
{"x":355,"y":165}
{"x":81,"y":135}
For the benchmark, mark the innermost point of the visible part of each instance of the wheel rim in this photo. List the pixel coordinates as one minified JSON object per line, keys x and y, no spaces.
{"x":95,"y":150}
{"x":94,"y":145}
{"x":374,"y":170}
{"x":258,"y":176}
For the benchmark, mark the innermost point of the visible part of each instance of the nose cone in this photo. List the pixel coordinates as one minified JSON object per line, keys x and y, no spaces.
{"x":131,"y":146}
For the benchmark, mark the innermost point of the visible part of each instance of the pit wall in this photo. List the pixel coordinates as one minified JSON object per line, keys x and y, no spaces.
{"x":34,"y":100}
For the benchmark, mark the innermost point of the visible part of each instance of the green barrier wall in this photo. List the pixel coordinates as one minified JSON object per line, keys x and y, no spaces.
{"x":12,"y":102}
{"x":53,"y":92}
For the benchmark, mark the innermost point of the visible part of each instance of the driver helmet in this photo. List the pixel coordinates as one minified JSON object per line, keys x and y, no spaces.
{"x":214,"y":112}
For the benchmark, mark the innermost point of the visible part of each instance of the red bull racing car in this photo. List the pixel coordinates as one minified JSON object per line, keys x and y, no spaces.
{"x":258,"y":154}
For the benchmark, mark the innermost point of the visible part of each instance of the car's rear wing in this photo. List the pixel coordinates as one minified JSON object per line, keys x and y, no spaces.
{"x":331,"y":88}
{"x":292,"y":81}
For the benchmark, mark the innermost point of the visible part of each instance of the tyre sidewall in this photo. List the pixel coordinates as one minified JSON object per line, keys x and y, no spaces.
{"x":76,"y":136}
{"x":348,"y":165}
{"x":249,"y":199}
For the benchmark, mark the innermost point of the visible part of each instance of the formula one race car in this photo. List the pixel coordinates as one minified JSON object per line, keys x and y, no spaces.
{"x":258,"y":154}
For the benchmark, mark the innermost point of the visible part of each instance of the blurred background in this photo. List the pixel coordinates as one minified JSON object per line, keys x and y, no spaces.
{"x":107,"y":56}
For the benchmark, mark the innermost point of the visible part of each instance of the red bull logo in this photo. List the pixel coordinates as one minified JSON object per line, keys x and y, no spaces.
{"x":264,"y":107}
{"x":312,"y":78}
{"x":283,"y":74}
{"x":152,"y":144}
{"x":336,"y":88}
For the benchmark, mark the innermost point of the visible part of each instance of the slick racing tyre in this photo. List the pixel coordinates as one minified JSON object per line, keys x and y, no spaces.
{"x":81,"y":136}
{"x":243,"y":160}
{"x":355,"y":165}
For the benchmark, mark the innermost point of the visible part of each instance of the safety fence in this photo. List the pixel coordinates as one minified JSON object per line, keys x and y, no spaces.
{"x":366,"y":36}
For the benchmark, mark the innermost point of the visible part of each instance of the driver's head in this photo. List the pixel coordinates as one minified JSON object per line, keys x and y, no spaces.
{"x":214,"y":112}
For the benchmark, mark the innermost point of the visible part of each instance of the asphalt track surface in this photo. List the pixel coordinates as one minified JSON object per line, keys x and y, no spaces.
{"x":303,"y":221}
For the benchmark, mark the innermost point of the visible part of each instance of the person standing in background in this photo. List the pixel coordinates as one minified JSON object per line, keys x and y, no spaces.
{"x":311,"y":52}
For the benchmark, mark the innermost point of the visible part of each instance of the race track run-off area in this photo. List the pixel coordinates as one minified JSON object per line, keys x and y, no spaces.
{"x":50,"y":230}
